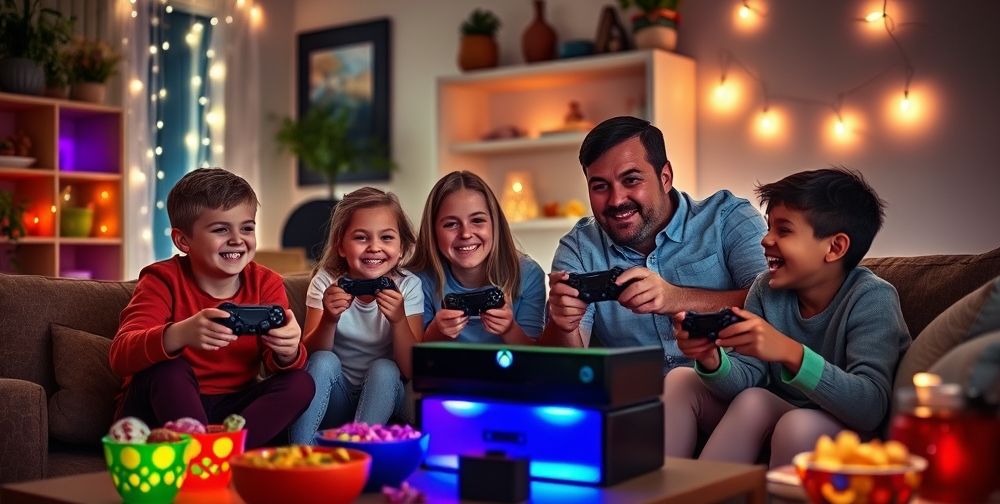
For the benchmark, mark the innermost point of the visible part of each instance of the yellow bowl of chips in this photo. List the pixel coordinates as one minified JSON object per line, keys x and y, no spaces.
{"x":845,"y":470}
{"x":301,"y":474}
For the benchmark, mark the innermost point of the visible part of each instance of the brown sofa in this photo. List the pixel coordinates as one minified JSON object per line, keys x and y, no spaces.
{"x":31,"y":306}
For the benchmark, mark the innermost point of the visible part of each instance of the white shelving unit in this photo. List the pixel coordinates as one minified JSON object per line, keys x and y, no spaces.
{"x":657,"y":85}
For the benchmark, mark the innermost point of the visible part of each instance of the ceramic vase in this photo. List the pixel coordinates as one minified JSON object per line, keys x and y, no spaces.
{"x":93,"y":92}
{"x":477,"y":51}
{"x":539,"y":40}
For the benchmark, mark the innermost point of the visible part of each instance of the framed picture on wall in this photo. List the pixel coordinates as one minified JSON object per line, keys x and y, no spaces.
{"x":347,"y":68}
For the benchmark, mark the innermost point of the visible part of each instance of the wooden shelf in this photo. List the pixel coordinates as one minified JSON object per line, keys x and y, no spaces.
{"x":63,"y":240}
{"x":31,"y":240}
{"x":562,"y":224}
{"x":551,"y":74}
{"x":89,"y":176}
{"x":518,"y":145}
{"x":23,"y":173}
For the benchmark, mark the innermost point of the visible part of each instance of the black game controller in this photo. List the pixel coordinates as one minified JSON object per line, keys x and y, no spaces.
{"x":708,"y":325}
{"x":598,"y":285}
{"x":252,"y":319}
{"x":368,"y":287}
{"x":475,"y":303}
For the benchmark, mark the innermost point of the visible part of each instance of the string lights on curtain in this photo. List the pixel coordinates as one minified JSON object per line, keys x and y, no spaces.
{"x":769,"y":123}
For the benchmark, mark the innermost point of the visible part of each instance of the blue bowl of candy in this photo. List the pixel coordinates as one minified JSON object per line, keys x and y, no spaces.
{"x":396,"y":451}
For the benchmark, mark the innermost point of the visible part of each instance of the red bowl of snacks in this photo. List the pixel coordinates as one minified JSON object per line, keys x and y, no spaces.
{"x":847,"y":471}
{"x":302,"y":474}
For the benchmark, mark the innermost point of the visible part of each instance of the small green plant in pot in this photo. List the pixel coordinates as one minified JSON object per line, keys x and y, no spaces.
{"x":655,"y":26}
{"x":30,"y":37}
{"x":91,"y":64}
{"x":478,"y":48}
{"x":322,"y":141}
{"x":11,"y":222}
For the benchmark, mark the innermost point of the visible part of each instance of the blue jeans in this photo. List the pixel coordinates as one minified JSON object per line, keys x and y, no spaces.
{"x":337,"y":401}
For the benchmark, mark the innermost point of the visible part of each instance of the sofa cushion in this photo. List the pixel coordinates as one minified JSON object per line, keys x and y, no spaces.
{"x":296,"y":287}
{"x":956,"y":366}
{"x":81,"y":410}
{"x":971,"y":316}
{"x":927,"y":285}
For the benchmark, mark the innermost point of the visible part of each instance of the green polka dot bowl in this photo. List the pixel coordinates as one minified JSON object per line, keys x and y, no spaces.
{"x":149,"y":473}
{"x":210,"y":455}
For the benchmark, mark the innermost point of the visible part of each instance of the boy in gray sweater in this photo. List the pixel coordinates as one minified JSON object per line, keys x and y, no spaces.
{"x":819,"y":340}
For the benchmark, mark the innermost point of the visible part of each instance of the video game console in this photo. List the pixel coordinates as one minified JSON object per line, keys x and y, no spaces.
{"x":475,"y":303}
{"x":252,"y":320}
{"x":598,"y":285}
{"x":366,"y":287}
{"x":708,"y":325}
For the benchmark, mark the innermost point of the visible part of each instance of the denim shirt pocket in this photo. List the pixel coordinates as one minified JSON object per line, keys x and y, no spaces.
{"x":706,"y":272}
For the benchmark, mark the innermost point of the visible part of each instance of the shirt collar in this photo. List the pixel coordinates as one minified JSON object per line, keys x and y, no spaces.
{"x":674,"y":230}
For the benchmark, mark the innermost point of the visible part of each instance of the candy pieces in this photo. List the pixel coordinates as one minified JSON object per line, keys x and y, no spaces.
{"x":360,"y":432}
{"x":129,"y":430}
{"x":234,"y":423}
{"x":186,"y":425}
{"x":297,"y":456}
{"x":163,"y":435}
{"x":848,"y":449}
{"x":405,"y":494}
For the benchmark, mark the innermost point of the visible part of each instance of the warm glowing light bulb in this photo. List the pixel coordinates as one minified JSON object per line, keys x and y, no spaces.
{"x":104,"y":228}
{"x":66,"y":197}
{"x":165,"y":45}
{"x":744,"y":12}
{"x":35,"y":220}
{"x":926,"y":380}
{"x":840,"y":128}
{"x":517,"y":187}
{"x":904,"y":104}
{"x":217,"y":71}
{"x":147,"y":235}
{"x":766,"y":122}
{"x":874,"y":16}
{"x":724,"y":95}
{"x":256,"y":16}
{"x":53,"y":209}
{"x":105,"y":195}
{"x":135,"y":86}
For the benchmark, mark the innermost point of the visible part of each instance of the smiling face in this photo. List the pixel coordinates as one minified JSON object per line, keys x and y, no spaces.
{"x":463,"y":229}
{"x":221,"y":242}
{"x":371,"y":245}
{"x":796,"y":259}
{"x":630,"y":202}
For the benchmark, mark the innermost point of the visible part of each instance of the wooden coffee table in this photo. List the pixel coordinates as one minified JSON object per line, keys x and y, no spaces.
{"x":679,"y":481}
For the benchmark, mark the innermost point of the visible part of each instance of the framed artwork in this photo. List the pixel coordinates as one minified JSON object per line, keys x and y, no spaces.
{"x":348,"y":67}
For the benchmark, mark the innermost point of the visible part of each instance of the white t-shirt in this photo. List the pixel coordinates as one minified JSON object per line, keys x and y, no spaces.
{"x":363,"y":333}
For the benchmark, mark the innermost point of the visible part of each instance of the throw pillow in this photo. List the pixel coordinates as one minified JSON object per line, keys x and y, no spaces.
{"x":82,"y":408}
{"x":956,"y":365}
{"x":976,"y":313}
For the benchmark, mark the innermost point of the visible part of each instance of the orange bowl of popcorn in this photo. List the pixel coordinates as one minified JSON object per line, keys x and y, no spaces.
{"x":303,"y":474}
{"x":845,"y":470}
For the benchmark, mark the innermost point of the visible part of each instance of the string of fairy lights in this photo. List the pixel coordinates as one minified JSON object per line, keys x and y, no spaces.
{"x":768,"y":122}
{"x":204,"y":133}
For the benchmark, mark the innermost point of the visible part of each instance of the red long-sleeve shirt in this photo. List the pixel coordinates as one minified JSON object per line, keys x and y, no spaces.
{"x":166,"y":293}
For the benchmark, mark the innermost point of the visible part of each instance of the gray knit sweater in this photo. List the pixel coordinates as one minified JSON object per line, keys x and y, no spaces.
{"x":849,"y":357}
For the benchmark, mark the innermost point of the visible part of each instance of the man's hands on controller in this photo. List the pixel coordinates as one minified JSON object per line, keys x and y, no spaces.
{"x":647,"y":292}
{"x":564,"y":306}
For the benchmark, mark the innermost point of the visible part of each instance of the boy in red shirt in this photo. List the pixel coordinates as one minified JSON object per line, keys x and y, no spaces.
{"x":176,"y":360}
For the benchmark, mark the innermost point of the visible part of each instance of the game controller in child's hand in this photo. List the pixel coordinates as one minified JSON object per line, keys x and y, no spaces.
{"x":252,"y":320}
{"x":368,"y":287}
{"x":475,"y":303}
{"x":597,"y":285}
{"x":708,"y":325}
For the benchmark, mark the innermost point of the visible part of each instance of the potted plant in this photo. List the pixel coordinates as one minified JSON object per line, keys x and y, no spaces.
{"x":91,"y":64}
{"x":30,"y":37}
{"x":11,"y":222}
{"x":322,"y":140}
{"x":655,"y":27}
{"x":478,"y":47}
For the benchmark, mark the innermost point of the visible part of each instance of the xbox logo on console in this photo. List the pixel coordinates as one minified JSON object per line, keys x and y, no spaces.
{"x":505,"y":358}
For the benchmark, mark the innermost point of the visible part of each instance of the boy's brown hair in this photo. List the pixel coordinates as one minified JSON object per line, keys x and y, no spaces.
{"x":340,"y":219}
{"x":203,"y":188}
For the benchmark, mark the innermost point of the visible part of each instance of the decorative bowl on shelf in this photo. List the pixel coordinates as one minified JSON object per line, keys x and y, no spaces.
{"x":75,"y":222}
{"x":16,"y":161}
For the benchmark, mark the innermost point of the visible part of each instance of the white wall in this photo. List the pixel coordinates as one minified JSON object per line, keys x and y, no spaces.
{"x":940,"y":183}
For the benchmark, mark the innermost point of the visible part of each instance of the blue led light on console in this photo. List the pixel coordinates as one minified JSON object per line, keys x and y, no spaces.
{"x":464,"y":408}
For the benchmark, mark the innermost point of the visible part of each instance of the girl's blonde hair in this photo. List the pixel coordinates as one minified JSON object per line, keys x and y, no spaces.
{"x":503,"y":267}
{"x":340,"y":218}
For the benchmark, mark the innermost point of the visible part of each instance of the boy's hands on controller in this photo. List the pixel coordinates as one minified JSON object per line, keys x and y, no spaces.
{"x":450,"y":322}
{"x":648,"y":292}
{"x":336,"y":301}
{"x":565,"y":307}
{"x":703,"y":350}
{"x":390,"y":303}
{"x":498,"y":320}
{"x":755,"y":337}
{"x":199,"y":331}
{"x":284,"y":340}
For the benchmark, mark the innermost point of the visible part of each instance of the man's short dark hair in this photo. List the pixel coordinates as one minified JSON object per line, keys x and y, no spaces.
{"x":616,"y":130}
{"x":206,"y":188}
{"x":834,"y":200}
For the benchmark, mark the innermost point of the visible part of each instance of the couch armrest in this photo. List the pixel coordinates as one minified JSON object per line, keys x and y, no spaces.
{"x":24,"y":430}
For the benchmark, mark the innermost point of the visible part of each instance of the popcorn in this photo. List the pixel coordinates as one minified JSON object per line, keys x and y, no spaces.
{"x":848,"y":449}
{"x":361,"y":432}
{"x":163,"y":435}
{"x":186,"y":425}
{"x":284,"y":457}
{"x":129,"y":430}
{"x":234,"y":422}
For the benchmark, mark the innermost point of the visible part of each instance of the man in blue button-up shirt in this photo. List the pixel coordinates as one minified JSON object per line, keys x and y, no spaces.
{"x":679,"y":254}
